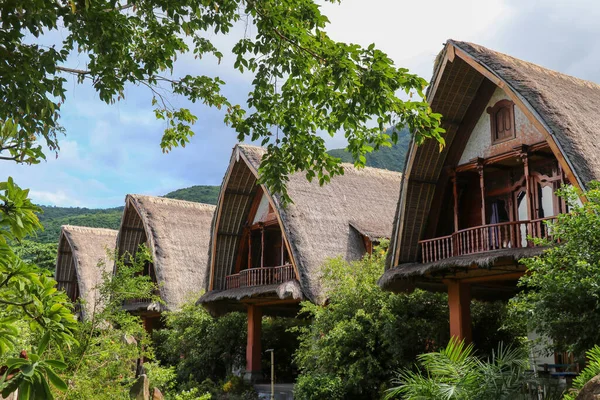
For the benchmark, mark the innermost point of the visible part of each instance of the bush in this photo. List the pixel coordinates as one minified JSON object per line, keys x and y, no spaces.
{"x":560,"y":299}
{"x":354,"y":344}
{"x":281,"y":334}
{"x":456,"y":373}
{"x":591,"y":370}
{"x":319,"y":386}
{"x":200,"y":346}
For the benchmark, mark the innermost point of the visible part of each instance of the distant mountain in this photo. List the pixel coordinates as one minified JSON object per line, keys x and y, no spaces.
{"x":199,"y":194}
{"x":391,"y":158}
{"x":54,"y":217}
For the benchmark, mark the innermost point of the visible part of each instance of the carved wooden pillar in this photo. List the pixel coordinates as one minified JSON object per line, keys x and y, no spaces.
{"x":249,"y":248}
{"x":459,"y":304}
{"x":524,"y":154}
{"x":253,"y":348}
{"x":455,"y":197}
{"x":262,"y":246}
{"x":482,"y":188}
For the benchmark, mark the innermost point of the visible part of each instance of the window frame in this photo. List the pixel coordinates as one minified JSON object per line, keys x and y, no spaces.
{"x":493,"y":112}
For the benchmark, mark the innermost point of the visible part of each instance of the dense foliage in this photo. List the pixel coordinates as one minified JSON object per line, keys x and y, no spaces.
{"x":110,"y":340}
{"x":29,"y":300}
{"x":562,"y":291}
{"x":352,"y":346}
{"x":201,"y":347}
{"x":304,"y":83}
{"x":41,"y":254}
{"x":204,"y":349}
{"x":456,"y":373}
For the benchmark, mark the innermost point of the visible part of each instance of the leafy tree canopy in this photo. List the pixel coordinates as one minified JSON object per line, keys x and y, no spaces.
{"x":562,"y":291}
{"x":304,"y":82}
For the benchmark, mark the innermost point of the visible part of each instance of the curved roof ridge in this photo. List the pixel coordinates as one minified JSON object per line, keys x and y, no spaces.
{"x":529,"y":64}
{"x":167,"y":200}
{"x":89,"y":229}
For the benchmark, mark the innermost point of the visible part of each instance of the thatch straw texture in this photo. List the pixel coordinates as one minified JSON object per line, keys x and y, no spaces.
{"x":321,"y":223}
{"x":566,"y":106}
{"x":407,"y":274}
{"x":177,"y":233}
{"x":83,"y":255}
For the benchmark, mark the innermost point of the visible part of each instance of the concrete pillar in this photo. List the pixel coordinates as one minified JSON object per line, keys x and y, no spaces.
{"x":253,"y":348}
{"x":459,"y":303}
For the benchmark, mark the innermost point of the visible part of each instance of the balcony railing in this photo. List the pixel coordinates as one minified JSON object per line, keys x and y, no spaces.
{"x":260,"y":277}
{"x":484,"y":238}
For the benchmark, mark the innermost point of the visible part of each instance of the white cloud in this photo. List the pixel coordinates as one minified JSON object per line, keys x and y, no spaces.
{"x":58,"y":198}
{"x":111,"y":150}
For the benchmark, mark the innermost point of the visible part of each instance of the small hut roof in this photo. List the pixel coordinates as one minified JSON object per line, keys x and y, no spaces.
{"x":321,"y":223}
{"x":83,"y":254}
{"x":177,"y":233}
{"x":563,"y":105}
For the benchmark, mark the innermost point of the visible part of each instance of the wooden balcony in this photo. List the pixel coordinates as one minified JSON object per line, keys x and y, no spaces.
{"x":484,"y":238}
{"x":260,"y":277}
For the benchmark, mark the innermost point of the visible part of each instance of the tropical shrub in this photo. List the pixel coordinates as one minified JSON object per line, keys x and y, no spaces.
{"x":352,"y":346}
{"x":456,"y":373}
{"x":561,"y":293}
{"x":200,"y":346}
{"x":591,"y":370}
{"x":111,"y":341}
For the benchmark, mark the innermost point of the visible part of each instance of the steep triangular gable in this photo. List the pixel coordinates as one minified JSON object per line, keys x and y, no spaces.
{"x":236,"y":198}
{"x":462,"y":87}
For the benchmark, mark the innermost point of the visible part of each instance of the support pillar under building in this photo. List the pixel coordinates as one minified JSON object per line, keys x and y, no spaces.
{"x":459,"y":304}
{"x":253,"y":348}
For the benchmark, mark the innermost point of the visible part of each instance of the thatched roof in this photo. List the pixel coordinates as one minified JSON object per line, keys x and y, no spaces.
{"x":568,"y":106}
{"x":563,"y":107}
{"x":83,"y":255}
{"x":177,"y":233}
{"x":321,"y":223}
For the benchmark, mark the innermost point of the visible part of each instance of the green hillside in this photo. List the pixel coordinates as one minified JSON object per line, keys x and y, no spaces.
{"x":199,"y":194}
{"x":391,"y":158}
{"x":54,"y":217}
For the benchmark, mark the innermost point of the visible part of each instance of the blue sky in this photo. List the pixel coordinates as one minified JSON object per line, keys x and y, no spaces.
{"x":110,"y":151}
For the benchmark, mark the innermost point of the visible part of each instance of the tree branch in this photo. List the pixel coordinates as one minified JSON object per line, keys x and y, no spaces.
{"x":73,"y":70}
{"x":12,"y":303}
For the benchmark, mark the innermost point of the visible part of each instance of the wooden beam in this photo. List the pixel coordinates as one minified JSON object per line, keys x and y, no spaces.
{"x":459,"y":304}
{"x":494,"y":278}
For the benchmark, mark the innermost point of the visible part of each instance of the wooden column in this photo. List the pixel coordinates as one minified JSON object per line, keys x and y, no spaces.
{"x":249,"y":248}
{"x":455,"y":197}
{"x":482,"y":188}
{"x":253,"y":348}
{"x":525,"y":158}
{"x":262,"y":246}
{"x":459,"y":304}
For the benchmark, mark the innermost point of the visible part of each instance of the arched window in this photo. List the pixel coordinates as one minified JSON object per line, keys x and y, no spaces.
{"x":502,"y":121}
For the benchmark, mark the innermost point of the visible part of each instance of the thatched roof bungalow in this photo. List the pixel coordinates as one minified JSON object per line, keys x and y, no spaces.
{"x":266,"y":258}
{"x":515,"y":133}
{"x":83,"y":257}
{"x":177,"y":234}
